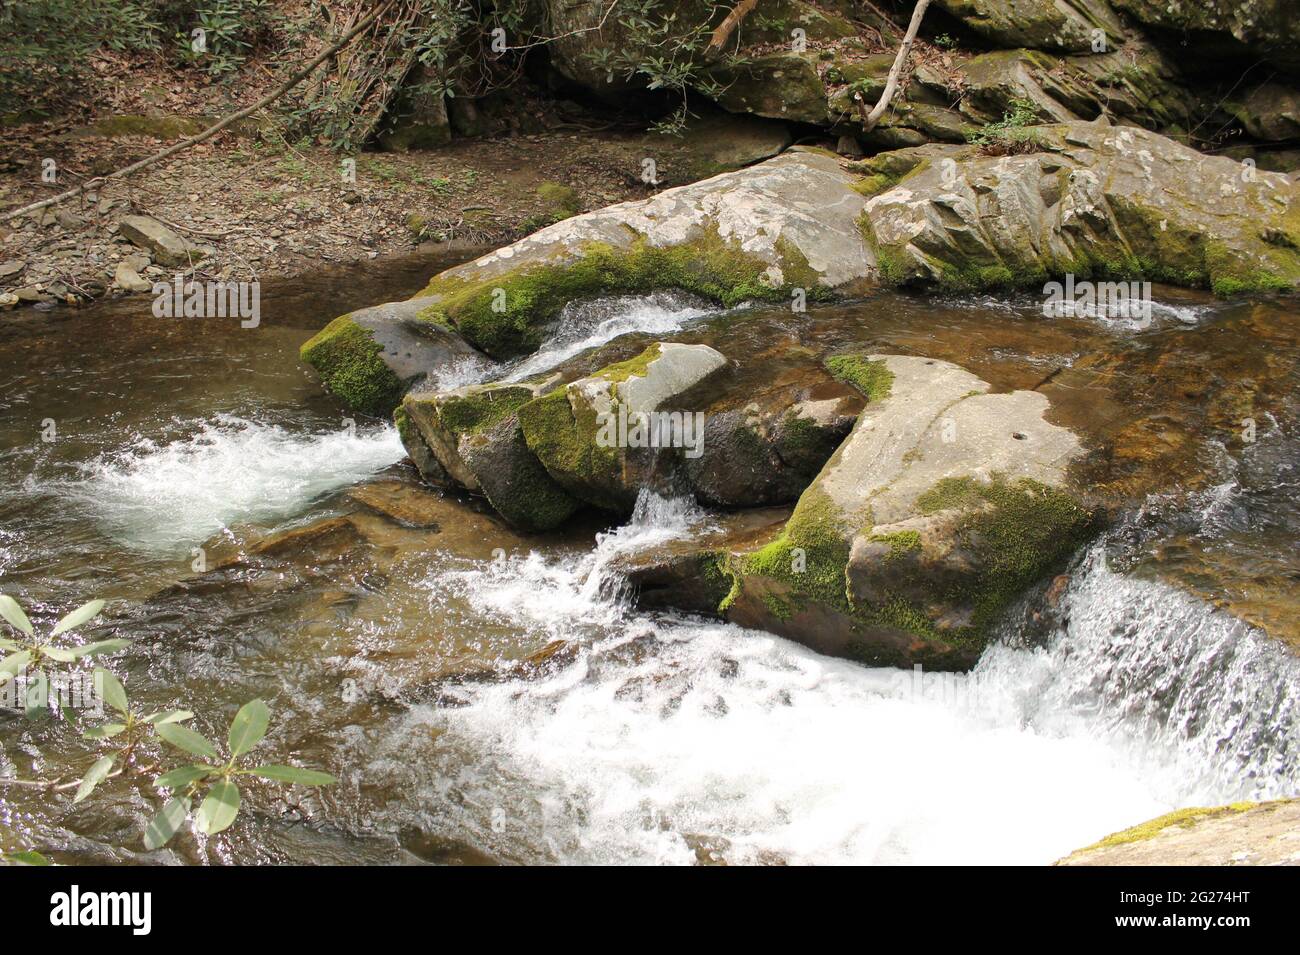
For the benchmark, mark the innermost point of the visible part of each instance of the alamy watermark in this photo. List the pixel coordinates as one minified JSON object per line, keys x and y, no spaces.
{"x":192,"y":299}
{"x":652,"y":429}
{"x":80,"y":690}
{"x":1127,"y":300}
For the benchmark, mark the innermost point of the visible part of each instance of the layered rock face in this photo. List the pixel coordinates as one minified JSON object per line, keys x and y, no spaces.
{"x":1264,"y":28}
{"x":1091,"y":199}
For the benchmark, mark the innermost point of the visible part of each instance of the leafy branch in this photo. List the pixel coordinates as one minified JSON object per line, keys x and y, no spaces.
{"x":214,"y":777}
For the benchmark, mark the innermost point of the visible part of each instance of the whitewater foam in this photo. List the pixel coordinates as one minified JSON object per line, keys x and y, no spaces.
{"x":164,"y":497}
{"x":583,"y":325}
{"x":668,"y":734}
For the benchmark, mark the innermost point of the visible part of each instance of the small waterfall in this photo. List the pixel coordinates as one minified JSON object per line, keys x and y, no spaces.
{"x":668,"y":734}
{"x":584,"y":325}
{"x":1171,"y":680}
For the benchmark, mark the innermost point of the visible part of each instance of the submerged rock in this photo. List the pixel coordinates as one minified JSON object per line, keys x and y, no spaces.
{"x":942,"y":506}
{"x":371,"y":357}
{"x":599,"y":436}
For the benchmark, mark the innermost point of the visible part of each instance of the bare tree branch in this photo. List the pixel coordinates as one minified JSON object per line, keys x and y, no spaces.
{"x":729,"y":24}
{"x":869,"y":120}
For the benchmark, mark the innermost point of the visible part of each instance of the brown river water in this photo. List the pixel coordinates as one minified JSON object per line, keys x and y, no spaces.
{"x":489,"y":697}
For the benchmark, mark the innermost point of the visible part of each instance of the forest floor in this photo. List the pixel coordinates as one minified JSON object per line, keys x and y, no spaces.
{"x":249,"y":204}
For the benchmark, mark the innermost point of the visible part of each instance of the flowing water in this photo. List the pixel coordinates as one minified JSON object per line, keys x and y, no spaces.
{"x":487,"y":697}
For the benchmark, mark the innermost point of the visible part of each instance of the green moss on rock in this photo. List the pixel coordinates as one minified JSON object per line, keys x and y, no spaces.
{"x":514,"y":481}
{"x":565,"y":443}
{"x":1015,"y":532}
{"x":347,"y":359}
{"x":508,"y":315}
{"x":872,"y":378}
{"x":480,"y":409}
{"x":1008,"y":533}
{"x":1182,"y":818}
{"x":808,"y":557}
{"x":900,"y":543}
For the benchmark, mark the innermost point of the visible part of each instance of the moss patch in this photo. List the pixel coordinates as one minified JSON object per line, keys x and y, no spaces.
{"x":406,"y":429}
{"x":508,"y":315}
{"x":808,"y":556}
{"x":565,"y":443}
{"x":1182,"y":818}
{"x":901,"y":543}
{"x":522,"y":491}
{"x":872,"y":378}
{"x":1015,"y":531}
{"x":347,"y":360}
{"x":480,"y":409}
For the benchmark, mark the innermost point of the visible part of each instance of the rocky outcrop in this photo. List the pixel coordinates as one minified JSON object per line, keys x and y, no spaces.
{"x":943,"y":505}
{"x":1091,"y":200}
{"x":1067,"y":25}
{"x":757,"y":234}
{"x":474,"y":436}
{"x":603,"y":438}
{"x":1263,"y":28}
{"x":950,"y":99}
{"x":371,"y":357}
{"x":1264,"y":833}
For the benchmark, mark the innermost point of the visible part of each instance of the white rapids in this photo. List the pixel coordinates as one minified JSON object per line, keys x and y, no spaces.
{"x":671,"y":735}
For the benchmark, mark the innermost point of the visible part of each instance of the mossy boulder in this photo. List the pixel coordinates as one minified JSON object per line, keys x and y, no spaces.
{"x":944,"y":504}
{"x":1063,"y":25}
{"x":760,"y":233}
{"x":599,"y":437}
{"x":768,"y":451}
{"x":778,"y":85}
{"x":369,"y":358}
{"x":1094,"y":200}
{"x":474,"y":434}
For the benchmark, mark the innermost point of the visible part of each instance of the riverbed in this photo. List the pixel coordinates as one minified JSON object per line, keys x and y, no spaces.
{"x":486,"y":697}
